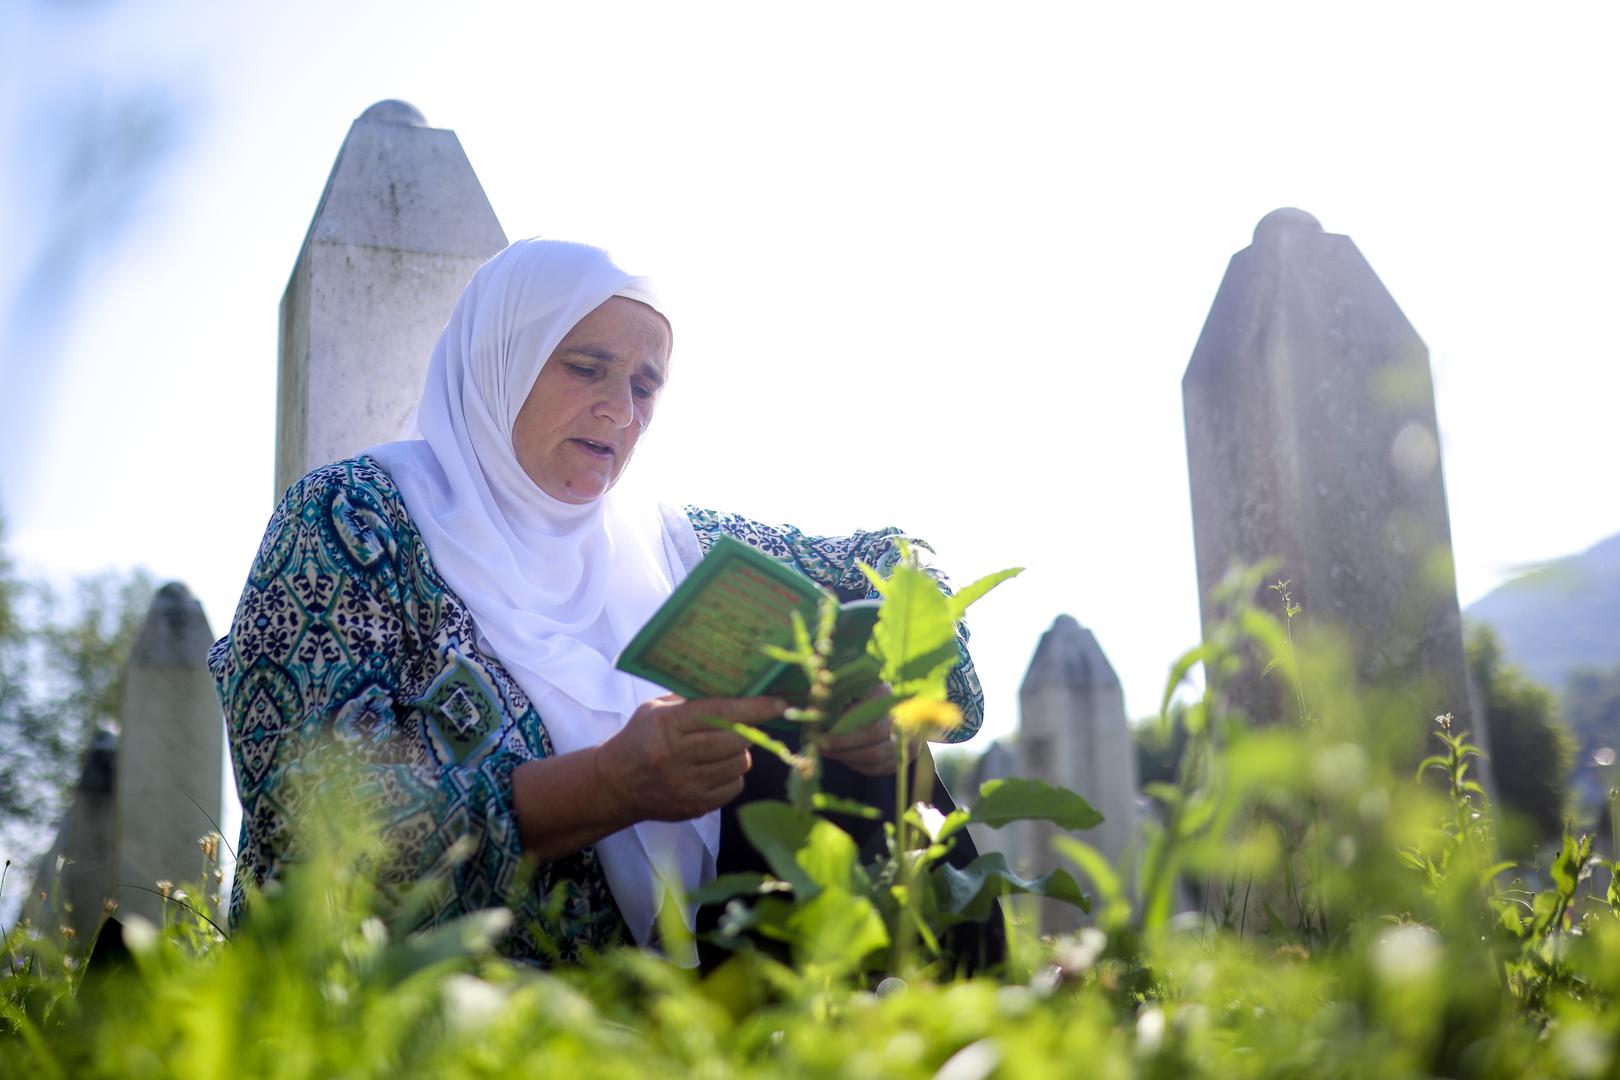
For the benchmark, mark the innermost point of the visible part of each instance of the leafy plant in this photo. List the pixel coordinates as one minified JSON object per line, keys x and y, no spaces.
{"x":820,"y":892}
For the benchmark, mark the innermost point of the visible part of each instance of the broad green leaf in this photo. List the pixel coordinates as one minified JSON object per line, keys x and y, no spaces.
{"x":829,"y":856}
{"x":836,"y":930}
{"x":778,"y":832}
{"x":967,"y":894}
{"x":965,"y":598}
{"x":931,"y":668}
{"x":913,"y":623}
{"x":1001,"y":802}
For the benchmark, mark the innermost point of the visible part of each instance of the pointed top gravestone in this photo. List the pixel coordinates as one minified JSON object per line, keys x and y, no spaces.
{"x":171,"y":744}
{"x":1312,"y":440}
{"x":1072,"y":732}
{"x":400,"y":228}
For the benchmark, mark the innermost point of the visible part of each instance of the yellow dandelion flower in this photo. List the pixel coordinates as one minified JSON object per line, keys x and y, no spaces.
{"x":920,"y":718}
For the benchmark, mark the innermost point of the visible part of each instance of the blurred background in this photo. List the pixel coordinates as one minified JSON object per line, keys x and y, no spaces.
{"x":932,"y":266}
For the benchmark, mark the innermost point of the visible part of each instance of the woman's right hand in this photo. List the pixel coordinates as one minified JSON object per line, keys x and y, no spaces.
{"x":669,"y":763}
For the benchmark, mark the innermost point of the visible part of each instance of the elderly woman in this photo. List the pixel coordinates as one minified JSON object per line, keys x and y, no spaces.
{"x":444,"y":614}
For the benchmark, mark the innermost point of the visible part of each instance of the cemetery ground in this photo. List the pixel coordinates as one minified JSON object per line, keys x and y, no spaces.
{"x":1311,"y":900}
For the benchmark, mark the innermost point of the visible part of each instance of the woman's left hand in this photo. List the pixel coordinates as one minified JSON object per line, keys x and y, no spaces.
{"x":870,"y":751}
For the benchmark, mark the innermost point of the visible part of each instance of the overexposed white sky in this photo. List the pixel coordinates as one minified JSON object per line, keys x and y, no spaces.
{"x":937,"y":265}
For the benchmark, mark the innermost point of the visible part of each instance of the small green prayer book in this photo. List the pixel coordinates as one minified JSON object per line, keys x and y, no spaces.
{"x":705,"y":640}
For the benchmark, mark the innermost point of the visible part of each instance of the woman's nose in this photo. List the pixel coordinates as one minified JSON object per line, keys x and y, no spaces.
{"x":617,"y":403}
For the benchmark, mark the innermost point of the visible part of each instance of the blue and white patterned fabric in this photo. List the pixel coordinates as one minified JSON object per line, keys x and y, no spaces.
{"x":347,"y":649}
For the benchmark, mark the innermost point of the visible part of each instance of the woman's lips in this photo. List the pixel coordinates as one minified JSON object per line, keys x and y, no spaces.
{"x":595,"y":449}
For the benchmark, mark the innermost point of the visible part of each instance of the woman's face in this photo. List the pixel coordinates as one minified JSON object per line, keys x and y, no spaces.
{"x":592,"y":400}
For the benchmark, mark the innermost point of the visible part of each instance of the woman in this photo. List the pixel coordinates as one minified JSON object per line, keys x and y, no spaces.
{"x":443,"y":615}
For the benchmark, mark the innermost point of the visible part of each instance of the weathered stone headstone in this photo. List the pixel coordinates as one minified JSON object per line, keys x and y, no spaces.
{"x":1072,"y":732}
{"x":75,"y":877}
{"x":170,"y":753}
{"x":400,"y":229}
{"x":1311,"y":438}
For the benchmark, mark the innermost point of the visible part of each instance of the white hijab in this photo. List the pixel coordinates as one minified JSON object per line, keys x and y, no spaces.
{"x":556,"y":589}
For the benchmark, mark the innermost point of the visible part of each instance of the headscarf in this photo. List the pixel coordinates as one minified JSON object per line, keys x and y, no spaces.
{"x":556,"y":589}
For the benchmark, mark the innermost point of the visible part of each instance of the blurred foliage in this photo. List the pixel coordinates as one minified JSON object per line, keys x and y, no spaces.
{"x":1528,"y":737}
{"x":61,"y":677}
{"x":1372,"y":930}
{"x":1592,"y":706}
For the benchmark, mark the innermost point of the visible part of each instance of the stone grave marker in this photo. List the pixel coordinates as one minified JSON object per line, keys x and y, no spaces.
{"x":1312,"y":439}
{"x":400,"y":229}
{"x":1072,"y":732}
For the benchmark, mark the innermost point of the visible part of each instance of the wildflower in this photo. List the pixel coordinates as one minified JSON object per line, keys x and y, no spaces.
{"x":109,"y":905}
{"x":164,"y":888}
{"x":1444,"y":720}
{"x":921,"y":718}
{"x":68,"y":933}
{"x":209,"y":845}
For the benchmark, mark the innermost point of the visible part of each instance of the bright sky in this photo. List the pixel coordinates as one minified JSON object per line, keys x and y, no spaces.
{"x":937,"y":265}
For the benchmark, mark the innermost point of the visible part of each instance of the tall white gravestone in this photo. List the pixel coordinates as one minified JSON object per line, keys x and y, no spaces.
{"x":400,"y":229}
{"x":168,"y":789}
{"x":1312,"y":439}
{"x":1072,"y":732}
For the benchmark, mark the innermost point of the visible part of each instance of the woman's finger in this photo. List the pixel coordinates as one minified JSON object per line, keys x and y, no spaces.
{"x":697,"y":714}
{"x":708,"y":745}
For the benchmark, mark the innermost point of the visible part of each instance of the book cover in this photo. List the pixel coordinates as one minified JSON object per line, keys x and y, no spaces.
{"x":705,"y":640}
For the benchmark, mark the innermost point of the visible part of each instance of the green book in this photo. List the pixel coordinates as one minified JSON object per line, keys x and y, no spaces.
{"x":705,"y":640}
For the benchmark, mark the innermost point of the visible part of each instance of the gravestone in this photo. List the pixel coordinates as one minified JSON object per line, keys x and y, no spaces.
{"x":400,"y":228}
{"x":75,"y":877}
{"x":147,"y":794}
{"x":1312,"y":439}
{"x":168,"y":788}
{"x":1072,"y":732}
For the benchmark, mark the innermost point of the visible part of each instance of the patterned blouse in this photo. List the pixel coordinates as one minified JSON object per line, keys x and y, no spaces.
{"x":347,"y":646}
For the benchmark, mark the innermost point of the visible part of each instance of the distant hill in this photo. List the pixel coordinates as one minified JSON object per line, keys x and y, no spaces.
{"x":1560,"y":616}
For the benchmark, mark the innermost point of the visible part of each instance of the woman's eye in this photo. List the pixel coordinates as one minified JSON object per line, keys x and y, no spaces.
{"x":645,"y":393}
{"x":581,"y":369}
